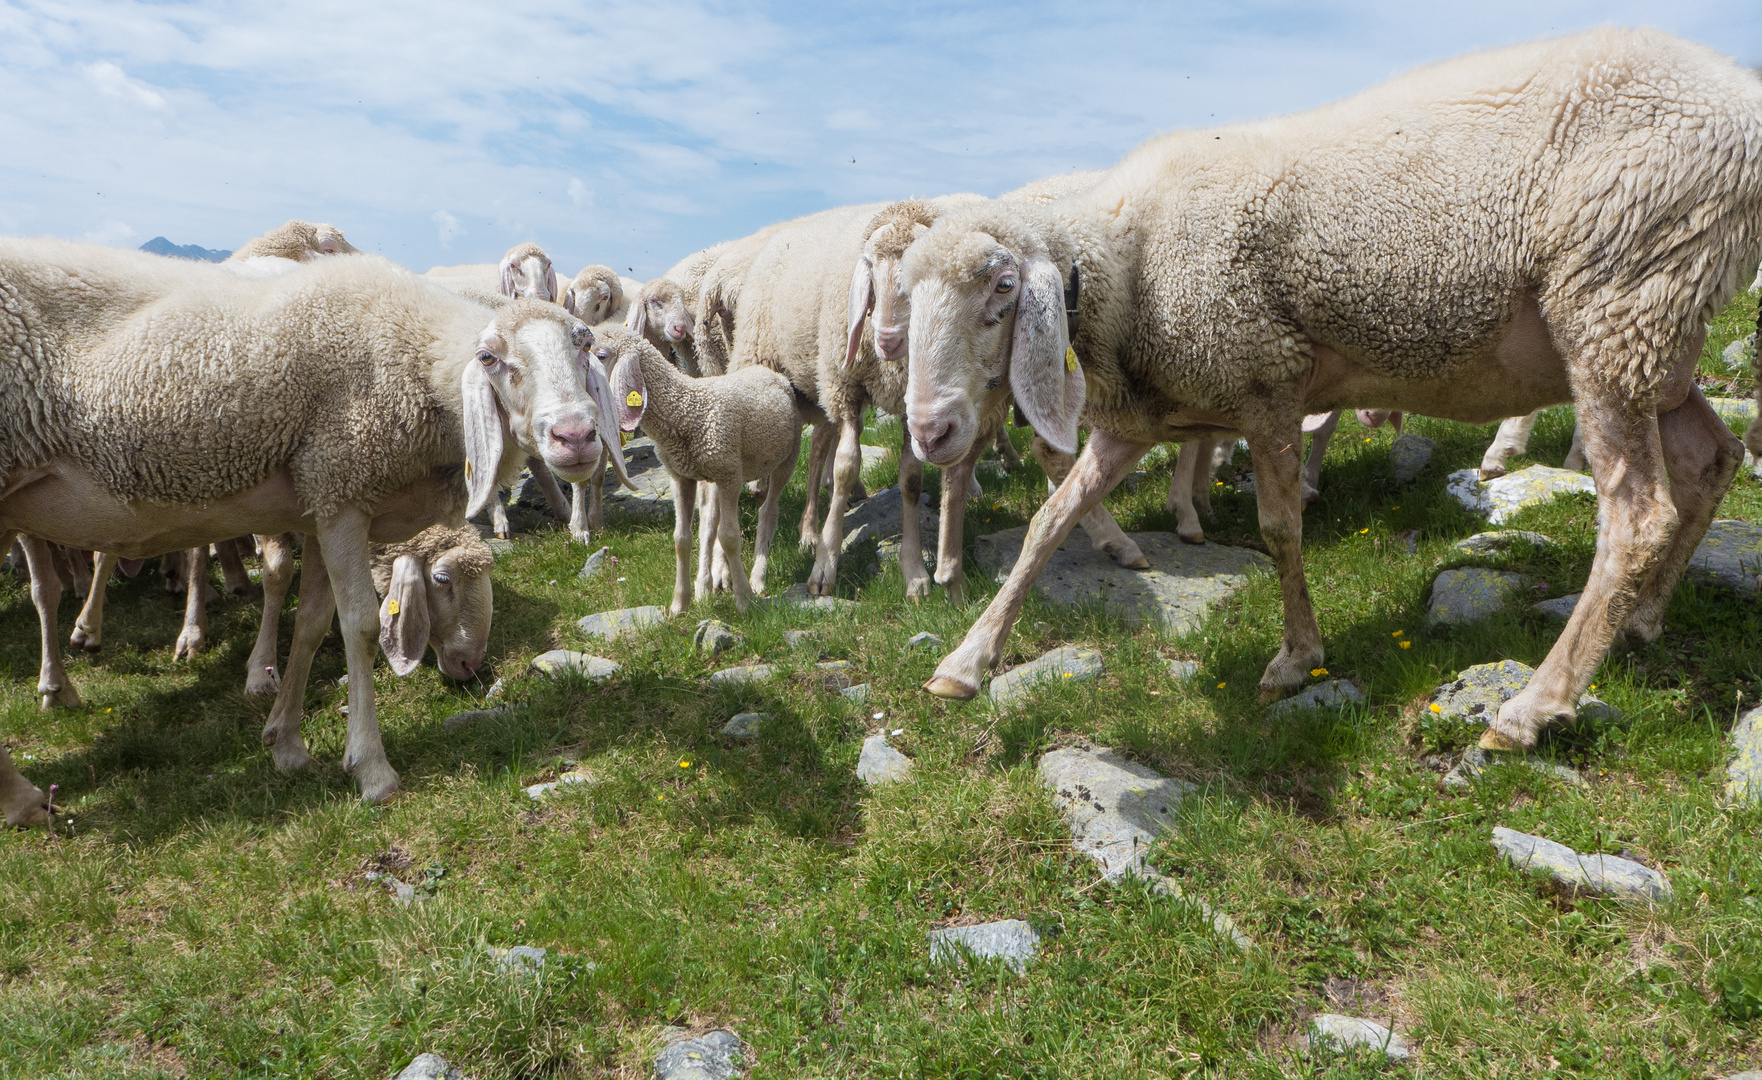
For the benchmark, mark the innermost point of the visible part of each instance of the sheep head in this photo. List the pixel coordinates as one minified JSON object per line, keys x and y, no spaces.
{"x":534,"y":378}
{"x":661,"y":315}
{"x":593,"y":295}
{"x":986,"y":286}
{"x":875,"y":286}
{"x":436,"y":593}
{"x":527,"y":274}
{"x":299,"y":241}
{"x":621,"y":353}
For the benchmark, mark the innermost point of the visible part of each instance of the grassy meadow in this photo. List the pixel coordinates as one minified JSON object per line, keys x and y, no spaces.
{"x":194,"y":913}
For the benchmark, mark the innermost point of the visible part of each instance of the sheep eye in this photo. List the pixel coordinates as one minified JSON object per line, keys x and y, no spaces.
{"x":486,"y":358}
{"x":1005,"y":284}
{"x":441,"y":577}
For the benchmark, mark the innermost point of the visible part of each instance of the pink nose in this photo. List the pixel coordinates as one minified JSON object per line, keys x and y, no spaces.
{"x":932,"y":435}
{"x":890,"y":344}
{"x":676,"y":331}
{"x":574,"y":435}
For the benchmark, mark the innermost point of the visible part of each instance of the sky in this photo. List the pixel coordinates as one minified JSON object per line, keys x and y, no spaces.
{"x":636,"y":133}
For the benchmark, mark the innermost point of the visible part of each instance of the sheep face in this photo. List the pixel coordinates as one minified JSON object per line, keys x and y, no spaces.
{"x":527,"y":274}
{"x":328,"y":240}
{"x":661,"y":311}
{"x":592,"y":297}
{"x":445,"y":603}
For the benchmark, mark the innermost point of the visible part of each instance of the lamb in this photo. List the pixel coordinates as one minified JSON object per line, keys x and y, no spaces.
{"x":1513,"y":438}
{"x":1475,"y":240}
{"x":721,"y":430}
{"x":597,"y":294}
{"x":346,"y":399}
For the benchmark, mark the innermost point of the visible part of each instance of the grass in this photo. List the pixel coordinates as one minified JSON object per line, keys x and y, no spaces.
{"x":198,"y":914}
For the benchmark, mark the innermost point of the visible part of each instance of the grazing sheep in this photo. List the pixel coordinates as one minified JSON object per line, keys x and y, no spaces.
{"x":1550,"y":222}
{"x":720,"y":430}
{"x":346,"y":399}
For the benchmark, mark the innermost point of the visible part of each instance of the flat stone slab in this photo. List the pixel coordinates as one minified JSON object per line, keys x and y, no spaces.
{"x":1114,"y":808}
{"x":1500,"y":541}
{"x":1745,"y":770}
{"x":1183,"y":581}
{"x":559,"y":661}
{"x":1477,"y":692}
{"x":475,"y":716}
{"x":1560,"y":608}
{"x":568,"y":779}
{"x":653,"y":497}
{"x":1182,"y":670}
{"x":1470,"y":595}
{"x":858,"y":693}
{"x":880,"y":763}
{"x":715,"y":1055}
{"x":924,"y":640}
{"x":1476,"y":761}
{"x":795,"y":639}
{"x":743,"y":674}
{"x":1499,"y":499}
{"x":1333,"y":694}
{"x":1729,"y":556}
{"x":1409,"y":454}
{"x":429,"y":1067}
{"x":745,"y":725}
{"x":714,"y":637}
{"x":612,"y":625}
{"x":1740,"y":351}
{"x":1010,"y":940}
{"x":796,"y":596}
{"x":1068,"y":663}
{"x":594,"y":564}
{"x":1607,"y":875}
{"x":881,"y":516}
{"x":1342,"y":1032}
{"x":526,"y":958}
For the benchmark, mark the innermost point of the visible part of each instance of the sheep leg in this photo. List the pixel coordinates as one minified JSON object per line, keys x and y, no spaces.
{"x":911,"y":543}
{"x":88,"y":629}
{"x":720,"y":575}
{"x":1513,"y":439}
{"x":1318,"y":450}
{"x":278,"y":573}
{"x":498,"y":518}
{"x":709,"y":517}
{"x":1575,"y":454}
{"x":1218,"y":450}
{"x":1103,"y":531}
{"x":684,"y":502}
{"x":232,"y":567}
{"x":22,"y":802}
{"x":312,"y":616}
{"x":1181,"y":487}
{"x":1275,"y":440}
{"x":195,"y":631}
{"x":768,"y":512}
{"x":1105,"y":461}
{"x":818,"y":447}
{"x":728,"y":533}
{"x":171,"y":568}
{"x":77,"y":571}
{"x":344,"y":537}
{"x":847,"y":469}
{"x":1006,"y":450}
{"x":548,"y":486}
{"x":957,"y":482}
{"x":53,"y":688}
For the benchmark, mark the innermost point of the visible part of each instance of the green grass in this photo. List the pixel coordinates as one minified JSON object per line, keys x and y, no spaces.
{"x":199,"y":914}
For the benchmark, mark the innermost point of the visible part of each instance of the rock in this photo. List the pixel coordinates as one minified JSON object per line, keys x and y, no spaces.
{"x":402,"y":893}
{"x":881,"y":516}
{"x":495,"y":689}
{"x":1183,"y":581}
{"x":558,"y":661}
{"x":591,"y":567}
{"x":1409,"y":454}
{"x":1501,"y":541}
{"x":1182,"y":670}
{"x":1737,"y":354}
{"x":520,"y":958}
{"x":745,"y":725}
{"x":466,"y":719}
{"x":499,"y":547}
{"x":1113,"y":807}
{"x":1476,"y":761}
{"x":858,"y":693}
{"x":715,"y":1055}
{"x":1753,"y":1074}
{"x":612,"y":625}
{"x":1067,"y":663}
{"x":795,"y":639}
{"x":1010,"y":940}
{"x":1342,"y":1032}
{"x":1558,"y":609}
{"x":568,"y":779}
{"x":653,"y":497}
{"x":1745,"y":771}
{"x":1729,"y":556}
{"x":924,"y":640}
{"x":796,"y":596}
{"x":1477,"y":692}
{"x":1499,"y":499}
{"x":1470,"y":595}
{"x":714,"y":637}
{"x":1603,"y":874}
{"x":743,"y":674}
{"x":1333,"y":694}
{"x":880,"y":763}
{"x":429,"y":1067}
{"x":1739,"y":409}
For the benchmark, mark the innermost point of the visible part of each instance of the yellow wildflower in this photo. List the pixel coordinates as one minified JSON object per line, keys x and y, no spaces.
{"x":684,"y":763}
{"x":1361,"y":532}
{"x":1397,"y":633}
{"x":1318,"y":672}
{"x":1405,"y":644}
{"x":1220,"y":686}
{"x":1437,"y":707}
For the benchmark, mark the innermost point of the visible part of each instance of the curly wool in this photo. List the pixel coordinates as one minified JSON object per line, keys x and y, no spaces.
{"x":297,"y":240}
{"x":471,"y":555}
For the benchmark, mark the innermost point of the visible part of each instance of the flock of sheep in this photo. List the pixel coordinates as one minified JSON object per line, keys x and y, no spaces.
{"x":1477,"y":240}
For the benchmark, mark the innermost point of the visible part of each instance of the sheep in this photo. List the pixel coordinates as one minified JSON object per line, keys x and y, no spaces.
{"x":345,"y":399}
{"x":597,"y":294}
{"x":1513,"y":438}
{"x":22,"y":803}
{"x":296,"y":241}
{"x":1477,"y":239}
{"x":720,"y":430}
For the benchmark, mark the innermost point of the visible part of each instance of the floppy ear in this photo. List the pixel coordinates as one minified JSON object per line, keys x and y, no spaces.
{"x":862,"y":298}
{"x":485,"y":436}
{"x":637,"y":318}
{"x":403,"y":615}
{"x":568,"y":302}
{"x":509,"y":282}
{"x":1044,"y":377}
{"x":600,"y":390}
{"x":550,"y":282}
{"x":629,"y":393}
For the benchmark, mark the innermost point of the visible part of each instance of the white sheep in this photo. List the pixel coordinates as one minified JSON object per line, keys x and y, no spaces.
{"x":597,"y":294}
{"x":345,"y":399}
{"x":1550,"y":222}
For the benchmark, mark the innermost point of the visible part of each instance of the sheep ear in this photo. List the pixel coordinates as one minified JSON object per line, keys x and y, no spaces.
{"x":568,"y":302}
{"x":550,"y":282}
{"x":1044,"y":374}
{"x":403,"y":615}
{"x":600,"y":389}
{"x":485,"y":436}
{"x":628,"y":391}
{"x":509,"y":283}
{"x":862,"y":298}
{"x":636,"y":319}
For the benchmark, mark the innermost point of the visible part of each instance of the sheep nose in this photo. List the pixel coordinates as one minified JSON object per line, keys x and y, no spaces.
{"x":575,"y":435}
{"x":890,"y":344}
{"x":676,"y":331}
{"x":932,"y":435}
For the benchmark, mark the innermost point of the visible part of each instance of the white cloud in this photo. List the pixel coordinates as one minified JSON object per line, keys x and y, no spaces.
{"x":580,"y":196}
{"x":113,"y":82}
{"x":449,"y":230}
{"x":112,"y":234}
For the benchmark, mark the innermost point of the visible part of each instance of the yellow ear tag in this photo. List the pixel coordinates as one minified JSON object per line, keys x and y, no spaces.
{"x":391,"y":607}
{"x":633,"y":399}
{"x":624,"y":438}
{"x":1070,"y":359}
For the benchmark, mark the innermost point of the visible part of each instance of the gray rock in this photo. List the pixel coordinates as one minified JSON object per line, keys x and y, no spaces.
{"x":591,"y":568}
{"x":745,"y":725}
{"x":1010,"y":940}
{"x":1113,"y":807}
{"x":429,"y":1067}
{"x":795,"y":639}
{"x":1501,"y":541}
{"x":1476,"y":761}
{"x":1737,"y":354}
{"x":520,"y":958}
{"x":924,"y":640}
{"x":858,"y":693}
{"x":612,"y":625}
{"x":1477,"y":692}
{"x":1558,"y":609}
{"x":1183,"y":581}
{"x":1068,"y":663}
{"x":495,"y":689}
{"x":1341,"y":1032}
{"x":1499,"y":499}
{"x":1409,"y":454}
{"x":796,"y":596}
{"x":1753,"y":1074}
{"x":1745,"y":770}
{"x":558,"y":661}
{"x":466,"y":719}
{"x":743,"y":674}
{"x":1332,"y":694}
{"x":401,"y":893}
{"x":499,"y":547}
{"x":1729,"y":556}
{"x":714,"y":637}
{"x":881,"y":516}
{"x":880,"y":763}
{"x":1470,"y":595}
{"x":568,"y":779}
{"x":1603,"y":874}
{"x":653,"y":497}
{"x":716,"y":1055}
{"x":1182,"y":670}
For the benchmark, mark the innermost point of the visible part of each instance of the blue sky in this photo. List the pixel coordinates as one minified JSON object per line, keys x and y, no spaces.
{"x":634,"y":133}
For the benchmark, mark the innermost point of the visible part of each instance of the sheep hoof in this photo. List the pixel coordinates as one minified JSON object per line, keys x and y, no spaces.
{"x":917,"y":588}
{"x":264,"y":681}
{"x":188,"y":645}
{"x":1493,"y":740}
{"x":944,"y":687}
{"x":79,"y":639}
{"x":807,"y":545}
{"x":378,"y":780}
{"x":1196,"y":536}
{"x":58,"y":697}
{"x":25,"y":804}
{"x":1310,"y":496}
{"x":290,"y":758}
{"x":1492,"y":474}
